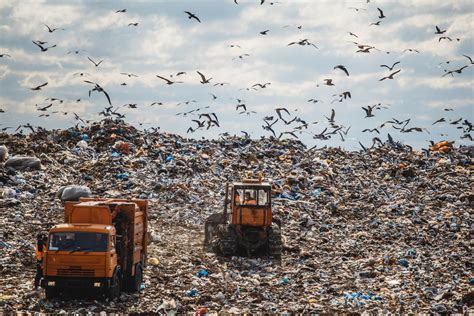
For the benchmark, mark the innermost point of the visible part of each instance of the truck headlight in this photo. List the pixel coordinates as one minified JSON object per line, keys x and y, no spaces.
{"x":97,"y":284}
{"x":51,"y":283}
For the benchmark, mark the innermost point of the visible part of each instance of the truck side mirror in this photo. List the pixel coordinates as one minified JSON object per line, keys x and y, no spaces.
{"x":39,"y":245}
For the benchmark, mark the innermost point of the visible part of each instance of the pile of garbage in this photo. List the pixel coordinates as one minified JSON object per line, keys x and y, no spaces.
{"x":383,"y":230}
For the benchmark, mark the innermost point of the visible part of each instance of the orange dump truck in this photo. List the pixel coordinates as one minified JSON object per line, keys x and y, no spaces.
{"x":100,"y":247}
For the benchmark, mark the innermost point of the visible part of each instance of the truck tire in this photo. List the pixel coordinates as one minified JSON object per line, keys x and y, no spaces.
{"x":137,"y":279}
{"x":228,"y":241}
{"x":114,"y":290}
{"x":51,"y":293}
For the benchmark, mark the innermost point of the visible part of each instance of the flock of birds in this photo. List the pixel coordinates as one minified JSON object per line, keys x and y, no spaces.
{"x":293,"y":124}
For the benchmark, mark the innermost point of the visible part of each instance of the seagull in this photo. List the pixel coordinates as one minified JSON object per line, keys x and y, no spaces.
{"x":455,"y":71}
{"x":352,"y":34}
{"x":371,"y":130}
{"x":4,"y":55}
{"x":438,"y":30}
{"x":333,"y":114}
{"x":328,"y":82}
{"x":203,"y":78}
{"x":279,"y":110}
{"x":390,"y":68}
{"x":375,"y":23}
{"x":303,"y":42}
{"x":51,"y":30}
{"x":95,"y":64}
{"x":156,"y":103}
{"x":381,"y":16}
{"x":390,"y":76}
{"x":263,"y":86}
{"x":314,"y":100}
{"x":128,"y":75}
{"x":44,"y":108}
{"x":133,"y":24}
{"x":98,"y":88}
{"x":241,"y":106}
{"x":264,"y":32}
{"x":342,"y":68}
{"x":470,"y":59}
{"x":411,"y":50}
{"x":368,"y":111}
{"x":121,"y":11}
{"x":168,"y":82}
{"x":439,"y":121}
{"x":192,"y":16}
{"x":446,"y":38}
{"x":39,"y":87}
{"x":43,"y":49}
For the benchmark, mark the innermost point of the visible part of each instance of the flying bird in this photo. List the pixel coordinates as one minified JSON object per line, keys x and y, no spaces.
{"x":371,"y":130}
{"x":39,"y":87}
{"x":455,"y":71}
{"x":204,"y":80}
{"x":99,"y":89}
{"x":342,"y":68}
{"x":368,"y":111}
{"x":470,"y":59}
{"x":375,"y":23}
{"x":133,"y":24}
{"x":51,"y":30}
{"x":4,"y":55}
{"x":95,"y":64}
{"x":121,"y":11}
{"x":168,"y":82}
{"x":438,"y":30}
{"x":264,"y":32}
{"x":128,"y":75}
{"x":390,"y":68}
{"x":43,"y":49}
{"x":328,"y":82}
{"x":192,"y":16}
{"x":390,"y":76}
{"x":439,"y":121}
{"x":381,"y":16}
{"x":352,"y":34}
{"x":263,"y":86}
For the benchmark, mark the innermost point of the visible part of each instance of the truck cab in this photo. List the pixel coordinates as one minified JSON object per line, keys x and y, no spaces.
{"x":101,"y":247}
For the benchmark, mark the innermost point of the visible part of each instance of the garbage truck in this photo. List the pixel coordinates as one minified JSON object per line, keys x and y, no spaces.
{"x":101,"y":247}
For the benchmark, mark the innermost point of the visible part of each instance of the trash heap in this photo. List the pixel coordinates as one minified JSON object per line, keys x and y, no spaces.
{"x":386,"y":230}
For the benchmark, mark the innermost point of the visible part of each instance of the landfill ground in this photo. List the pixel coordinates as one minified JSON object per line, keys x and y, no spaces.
{"x":387,"y":230}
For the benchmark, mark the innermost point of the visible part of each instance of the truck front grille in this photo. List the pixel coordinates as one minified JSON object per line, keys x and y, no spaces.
{"x":76,"y":272}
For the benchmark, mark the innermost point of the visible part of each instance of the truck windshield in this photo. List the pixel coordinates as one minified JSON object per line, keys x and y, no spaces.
{"x":78,"y":241}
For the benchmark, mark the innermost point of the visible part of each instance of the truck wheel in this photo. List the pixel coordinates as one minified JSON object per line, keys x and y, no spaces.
{"x":274,"y":242}
{"x":114,"y":290}
{"x":50,"y":293}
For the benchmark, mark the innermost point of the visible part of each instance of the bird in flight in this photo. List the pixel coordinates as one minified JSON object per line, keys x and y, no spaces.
{"x":439,"y":31}
{"x":342,"y":68}
{"x":328,"y":82}
{"x":368,"y":111}
{"x":44,"y":108}
{"x":411,"y":50}
{"x":43,"y":49}
{"x":263,"y":86}
{"x":121,"y":11}
{"x":390,"y":68}
{"x":4,"y":55}
{"x":390,"y":76}
{"x":39,"y":87}
{"x":441,"y":120}
{"x":168,"y":82}
{"x":381,"y":16}
{"x":128,"y":74}
{"x":204,"y":80}
{"x":371,"y":130}
{"x":352,"y":34}
{"x":303,"y":42}
{"x":455,"y":71}
{"x":51,"y":30}
{"x":264,"y":32}
{"x":192,"y":16}
{"x":98,"y":88}
{"x":133,"y":24}
{"x":375,"y":23}
{"x":470,"y":59}
{"x":95,"y":64}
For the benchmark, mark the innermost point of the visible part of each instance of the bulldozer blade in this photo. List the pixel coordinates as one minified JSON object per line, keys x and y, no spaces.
{"x":210,"y":229}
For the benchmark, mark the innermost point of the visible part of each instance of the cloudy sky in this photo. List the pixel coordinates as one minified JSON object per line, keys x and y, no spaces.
{"x":165,"y":42}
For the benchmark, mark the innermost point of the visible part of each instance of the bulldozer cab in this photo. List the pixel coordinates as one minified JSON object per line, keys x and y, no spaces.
{"x":250,"y":204}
